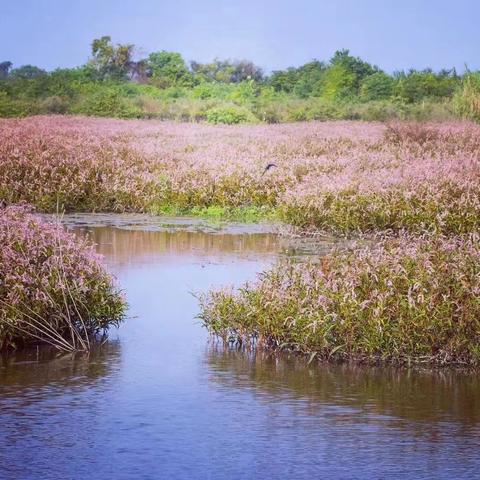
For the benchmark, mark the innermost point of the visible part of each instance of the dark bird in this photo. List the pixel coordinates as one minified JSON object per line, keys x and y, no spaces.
{"x":268,"y":167}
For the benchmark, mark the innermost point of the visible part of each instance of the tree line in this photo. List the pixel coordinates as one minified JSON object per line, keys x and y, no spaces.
{"x":343,"y":79}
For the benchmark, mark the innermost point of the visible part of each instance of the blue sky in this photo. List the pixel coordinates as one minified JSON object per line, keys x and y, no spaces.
{"x":394,"y":34}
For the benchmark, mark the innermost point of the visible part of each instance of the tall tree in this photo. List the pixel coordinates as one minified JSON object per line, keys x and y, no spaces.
{"x":110,"y":61}
{"x":167,"y":69}
{"x":355,"y":66}
{"x":246,"y":70}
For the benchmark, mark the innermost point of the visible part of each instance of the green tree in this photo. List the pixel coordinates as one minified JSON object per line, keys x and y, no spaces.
{"x":246,"y":70}
{"x":354,"y":66}
{"x":304,"y":81}
{"x":225,"y":71}
{"x":309,"y":77}
{"x":415,"y":85}
{"x":338,"y":83}
{"x":27,"y":72}
{"x":111,"y":62}
{"x":216,"y":71}
{"x":284,"y":80}
{"x":378,"y":86}
{"x":167,"y":69}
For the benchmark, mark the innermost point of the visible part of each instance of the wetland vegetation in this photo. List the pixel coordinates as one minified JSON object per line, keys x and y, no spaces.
{"x":412,"y":188}
{"x":53,"y":287}
{"x":405,"y":300}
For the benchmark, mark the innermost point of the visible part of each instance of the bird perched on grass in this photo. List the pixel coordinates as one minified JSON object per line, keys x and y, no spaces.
{"x":268,"y":167}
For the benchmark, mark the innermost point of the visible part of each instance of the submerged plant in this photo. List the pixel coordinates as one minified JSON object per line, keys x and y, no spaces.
{"x":53,"y":288}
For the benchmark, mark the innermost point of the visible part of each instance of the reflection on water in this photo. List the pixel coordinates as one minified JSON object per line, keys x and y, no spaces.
{"x":32,"y":366}
{"x":422,"y":396}
{"x":125,"y":247}
{"x":163,"y":400}
{"x":124,"y":239}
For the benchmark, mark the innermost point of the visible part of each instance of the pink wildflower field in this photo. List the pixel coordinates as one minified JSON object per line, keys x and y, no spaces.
{"x":413,"y":297}
{"x":337,"y":176}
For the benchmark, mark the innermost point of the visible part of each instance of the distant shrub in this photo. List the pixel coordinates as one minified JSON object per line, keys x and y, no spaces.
{"x":377,"y":111}
{"x":10,"y":107}
{"x":299,"y":114}
{"x":244,"y":92}
{"x":54,"y":104}
{"x":428,"y":110}
{"x":325,"y":110}
{"x":106,"y":102}
{"x":206,"y":91}
{"x":229,"y":115}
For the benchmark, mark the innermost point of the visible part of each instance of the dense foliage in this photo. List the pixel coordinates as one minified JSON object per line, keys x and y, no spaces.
{"x":53,"y":288}
{"x":115,"y":84}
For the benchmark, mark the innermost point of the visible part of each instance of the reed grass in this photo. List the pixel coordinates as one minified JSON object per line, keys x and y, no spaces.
{"x":53,"y":288}
{"x":411,"y":299}
{"x":343,"y":177}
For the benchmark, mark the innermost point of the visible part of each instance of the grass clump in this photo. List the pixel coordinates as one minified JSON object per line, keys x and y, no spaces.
{"x":467,"y":99}
{"x":230,"y":114}
{"x":445,"y":207}
{"x":409,"y":299}
{"x":53,"y":288}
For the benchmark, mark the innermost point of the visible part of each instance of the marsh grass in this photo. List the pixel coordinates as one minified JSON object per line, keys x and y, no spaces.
{"x":406,"y":300}
{"x":345,"y":178}
{"x":53,"y":287}
{"x":342,"y":177}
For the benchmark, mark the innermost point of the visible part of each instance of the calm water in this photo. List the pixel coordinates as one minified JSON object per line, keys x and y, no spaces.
{"x":162,"y":400}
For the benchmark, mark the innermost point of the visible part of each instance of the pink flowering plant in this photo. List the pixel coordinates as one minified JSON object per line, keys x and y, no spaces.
{"x":343,"y":177}
{"x":53,"y":287}
{"x":413,"y":297}
{"x":404,"y":300}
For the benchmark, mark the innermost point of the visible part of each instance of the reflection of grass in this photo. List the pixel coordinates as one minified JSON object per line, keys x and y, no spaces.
{"x":38,"y":365}
{"x":423,"y":396}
